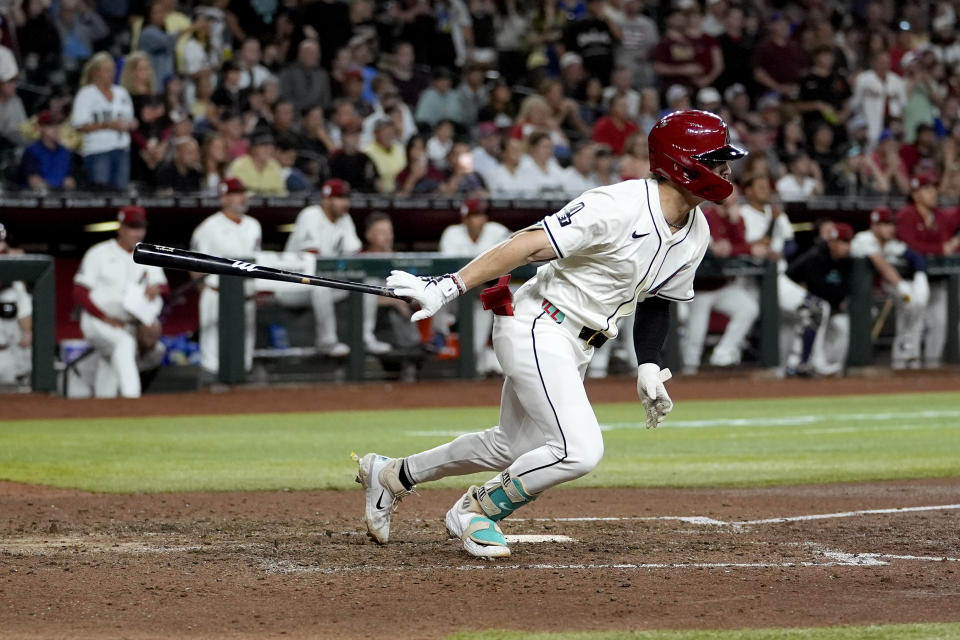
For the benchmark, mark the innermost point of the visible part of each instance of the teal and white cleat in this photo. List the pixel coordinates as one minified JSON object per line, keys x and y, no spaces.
{"x":481,"y":537}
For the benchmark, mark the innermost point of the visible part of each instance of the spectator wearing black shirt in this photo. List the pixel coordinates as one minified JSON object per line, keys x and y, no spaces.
{"x":352,"y":165}
{"x":409,"y":81}
{"x":182,"y":173}
{"x":593,"y":39}
{"x":824,"y":94}
{"x":736,"y":45}
{"x":39,"y":41}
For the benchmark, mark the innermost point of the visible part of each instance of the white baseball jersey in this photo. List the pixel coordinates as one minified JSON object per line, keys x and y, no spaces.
{"x":316,"y":233}
{"x":866,"y":244}
{"x":756,"y":224}
{"x":218,"y":235}
{"x":614,"y":250}
{"x":91,"y":106}
{"x":108,"y":270}
{"x":456,"y":241}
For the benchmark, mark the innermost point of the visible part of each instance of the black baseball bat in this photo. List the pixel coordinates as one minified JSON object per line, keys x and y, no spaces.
{"x":159,"y":256}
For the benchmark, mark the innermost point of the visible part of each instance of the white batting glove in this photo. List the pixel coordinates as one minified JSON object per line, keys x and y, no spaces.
{"x":653,"y":395}
{"x":430,"y":293}
{"x":905,"y":291}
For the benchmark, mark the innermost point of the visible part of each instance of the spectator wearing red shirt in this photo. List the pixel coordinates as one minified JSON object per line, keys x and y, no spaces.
{"x":706,"y":50}
{"x":778,"y":60}
{"x":674,"y":57}
{"x":614,"y":129}
{"x":728,"y":296}
{"x":921,"y":156}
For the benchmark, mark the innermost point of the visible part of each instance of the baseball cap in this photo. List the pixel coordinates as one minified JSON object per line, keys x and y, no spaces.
{"x":923,"y":180}
{"x":336,"y":188}
{"x":473,"y":205}
{"x":881,"y":214}
{"x":232,"y":185}
{"x":485,"y":129}
{"x":841,"y":231}
{"x":570,"y":58}
{"x":47,"y":118}
{"x":708,"y":95}
{"x":132,"y":216}
{"x":261,"y":137}
{"x":676,"y":91}
{"x":734,"y":90}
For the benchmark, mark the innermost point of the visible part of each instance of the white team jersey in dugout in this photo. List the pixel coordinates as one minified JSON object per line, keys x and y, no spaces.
{"x":614,"y":250}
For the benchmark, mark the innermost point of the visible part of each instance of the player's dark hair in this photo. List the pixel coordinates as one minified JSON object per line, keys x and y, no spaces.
{"x":374,"y":218}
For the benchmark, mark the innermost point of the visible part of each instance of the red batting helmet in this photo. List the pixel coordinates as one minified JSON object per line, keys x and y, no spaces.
{"x":683,"y":144}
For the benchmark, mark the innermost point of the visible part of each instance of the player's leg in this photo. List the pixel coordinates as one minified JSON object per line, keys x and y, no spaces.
{"x":936,"y":320}
{"x":836,"y":343}
{"x":324,"y":315}
{"x":741,"y":305}
{"x":118,"y":347}
{"x":695,"y":331}
{"x":209,"y":330}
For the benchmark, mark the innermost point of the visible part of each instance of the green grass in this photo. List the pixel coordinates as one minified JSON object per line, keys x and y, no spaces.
{"x":886,"y":632}
{"x":778,"y":441}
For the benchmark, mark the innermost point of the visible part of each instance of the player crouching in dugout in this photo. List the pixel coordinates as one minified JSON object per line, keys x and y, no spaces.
{"x":120,"y":303}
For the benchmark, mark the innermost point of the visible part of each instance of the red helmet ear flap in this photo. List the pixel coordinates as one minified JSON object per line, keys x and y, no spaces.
{"x":684,"y":144}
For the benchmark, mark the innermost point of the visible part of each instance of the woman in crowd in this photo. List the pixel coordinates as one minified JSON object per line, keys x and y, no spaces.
{"x":103,"y":113}
{"x":214,"y":163}
{"x":138,"y":79}
{"x":420,"y":176}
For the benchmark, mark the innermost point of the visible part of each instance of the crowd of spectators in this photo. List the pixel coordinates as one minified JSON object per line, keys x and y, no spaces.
{"x":464,"y":98}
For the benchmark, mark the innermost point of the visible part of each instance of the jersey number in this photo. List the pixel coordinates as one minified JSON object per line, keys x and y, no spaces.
{"x":563,"y":217}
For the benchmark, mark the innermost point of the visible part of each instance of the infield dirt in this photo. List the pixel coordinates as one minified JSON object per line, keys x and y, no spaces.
{"x":297,"y":564}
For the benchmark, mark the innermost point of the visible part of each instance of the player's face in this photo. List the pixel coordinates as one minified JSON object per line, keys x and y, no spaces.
{"x":234,"y":203}
{"x":128,"y":237}
{"x":380,"y":236}
{"x":886,"y":231}
{"x":926,"y":196}
{"x":840,"y":249}
{"x":338,"y":207}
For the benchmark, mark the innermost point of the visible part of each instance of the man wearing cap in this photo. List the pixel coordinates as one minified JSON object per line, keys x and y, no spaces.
{"x":387,"y":154}
{"x":487,"y":152}
{"x":470,"y":238}
{"x":879,"y":244}
{"x":16,"y":324}
{"x":326,"y":230}
{"x":823,"y":334}
{"x":47,"y":164}
{"x":120,"y":303}
{"x":928,"y":230}
{"x":229,"y":233}
{"x":258,"y":169}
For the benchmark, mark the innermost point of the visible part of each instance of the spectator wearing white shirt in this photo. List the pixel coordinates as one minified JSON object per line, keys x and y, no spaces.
{"x":507,"y":180}
{"x":801,"y":180}
{"x":485,"y":154}
{"x":252,"y":73}
{"x":103,"y":113}
{"x":473,"y":236}
{"x":878,"y":93}
{"x":578,"y":177}
{"x":440,"y":144}
{"x":620,"y":83}
{"x":539,"y":169}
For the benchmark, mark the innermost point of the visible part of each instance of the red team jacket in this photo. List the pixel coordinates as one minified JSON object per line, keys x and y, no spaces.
{"x":924,"y":239}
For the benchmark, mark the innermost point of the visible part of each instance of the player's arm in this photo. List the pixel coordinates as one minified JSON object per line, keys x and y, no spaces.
{"x":524,"y":247}
{"x":885,"y":269}
{"x":527,"y":246}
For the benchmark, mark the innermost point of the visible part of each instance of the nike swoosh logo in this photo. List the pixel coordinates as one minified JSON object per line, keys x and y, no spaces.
{"x":637,"y":237}
{"x":380,"y":499}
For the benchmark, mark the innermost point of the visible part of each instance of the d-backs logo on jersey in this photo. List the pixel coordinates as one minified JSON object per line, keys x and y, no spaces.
{"x":564,"y":215}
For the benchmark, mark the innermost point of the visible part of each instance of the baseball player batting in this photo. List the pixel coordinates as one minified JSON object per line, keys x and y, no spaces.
{"x":629,"y":247}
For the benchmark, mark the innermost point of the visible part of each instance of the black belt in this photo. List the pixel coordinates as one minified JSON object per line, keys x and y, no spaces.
{"x":593,"y":337}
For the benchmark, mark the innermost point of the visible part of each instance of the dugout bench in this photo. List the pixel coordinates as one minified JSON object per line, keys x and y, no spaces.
{"x":358,"y":268}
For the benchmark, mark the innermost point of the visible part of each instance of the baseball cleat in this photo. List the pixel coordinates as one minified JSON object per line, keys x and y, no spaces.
{"x":379,"y":477}
{"x":481,"y":537}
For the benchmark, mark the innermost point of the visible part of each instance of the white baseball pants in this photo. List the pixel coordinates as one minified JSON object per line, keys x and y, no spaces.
{"x":548,"y":433}
{"x":117,"y":370}
{"x":735,"y":300}
{"x":210,"y":331}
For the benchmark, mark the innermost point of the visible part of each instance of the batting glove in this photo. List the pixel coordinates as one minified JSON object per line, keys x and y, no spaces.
{"x":653,"y":395}
{"x":430,"y":293}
